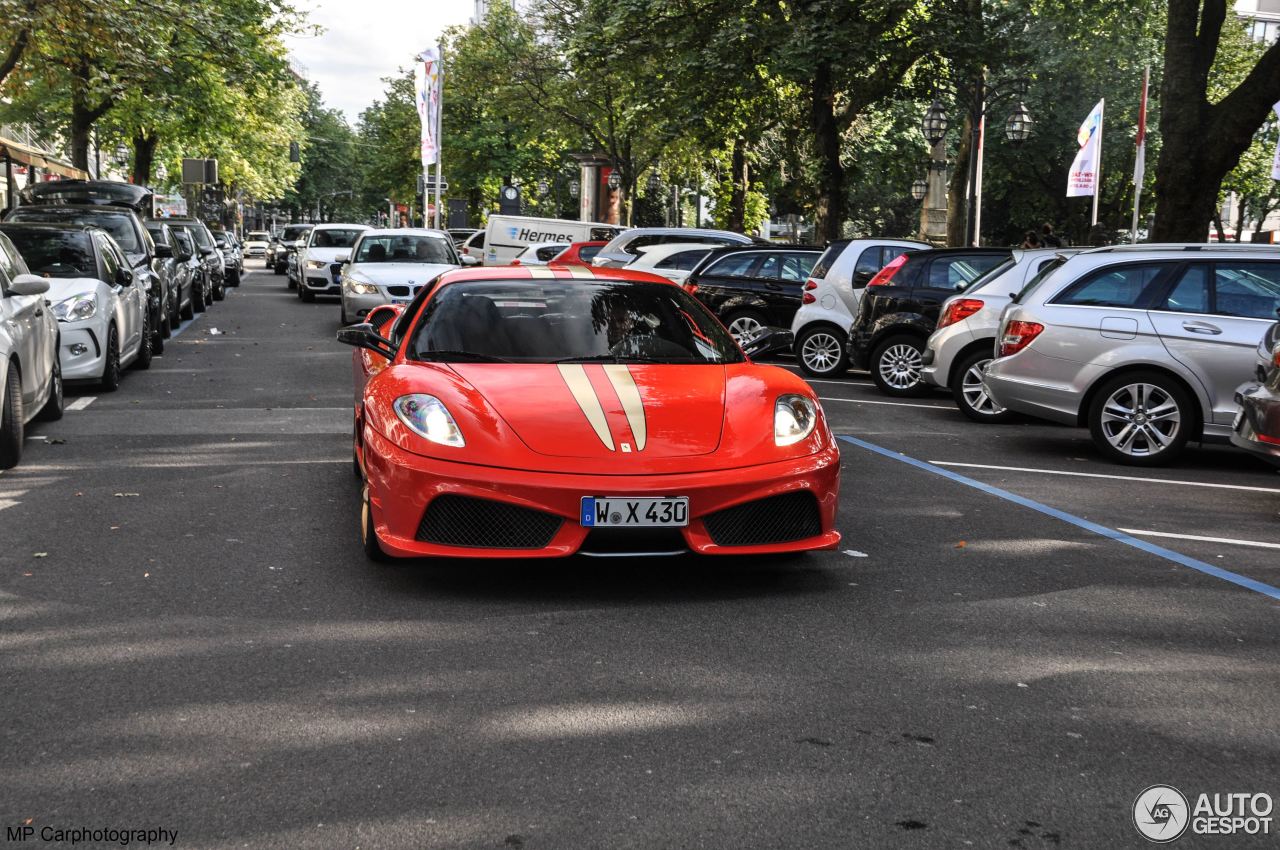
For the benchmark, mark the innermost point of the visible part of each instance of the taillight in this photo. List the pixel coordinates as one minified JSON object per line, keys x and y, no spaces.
{"x":808,"y":298}
{"x":1017,"y":336}
{"x":959,"y":309}
{"x":1275,"y":357}
{"x":886,"y":274}
{"x":811,"y":285}
{"x":1275,"y":441}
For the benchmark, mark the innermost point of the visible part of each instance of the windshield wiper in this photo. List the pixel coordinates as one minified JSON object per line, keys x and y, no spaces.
{"x":611,"y":358}
{"x":447,"y":356}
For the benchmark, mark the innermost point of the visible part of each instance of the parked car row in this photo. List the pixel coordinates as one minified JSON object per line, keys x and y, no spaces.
{"x":89,"y":288}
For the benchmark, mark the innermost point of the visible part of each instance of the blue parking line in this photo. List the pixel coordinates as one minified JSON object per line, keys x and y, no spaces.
{"x":1080,"y":522}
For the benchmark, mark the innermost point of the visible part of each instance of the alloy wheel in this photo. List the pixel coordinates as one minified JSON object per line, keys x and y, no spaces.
{"x":744,"y":328}
{"x":900,"y":366}
{"x":1141,"y":420}
{"x":975,"y":394}
{"x":821,"y":351}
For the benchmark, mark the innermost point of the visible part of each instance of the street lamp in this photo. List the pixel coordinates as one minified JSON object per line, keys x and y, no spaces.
{"x":615,"y":181}
{"x":918,"y":188}
{"x":655,"y":183}
{"x":1017,"y":129}
{"x":543,"y":187}
{"x":162,"y":173}
{"x":575,"y":188}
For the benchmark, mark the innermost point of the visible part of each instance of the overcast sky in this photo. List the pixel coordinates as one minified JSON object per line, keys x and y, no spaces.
{"x":366,"y":40}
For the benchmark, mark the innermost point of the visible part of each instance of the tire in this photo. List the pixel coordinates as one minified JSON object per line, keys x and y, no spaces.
{"x":167,"y":325}
{"x":219,"y":291}
{"x":189,"y":311}
{"x":53,"y":408}
{"x":970,"y":397}
{"x":744,"y":324}
{"x":110,"y":381}
{"x":368,"y":534}
{"x":306,"y":295}
{"x":157,"y":338}
{"x":175,"y":318}
{"x":896,"y":365}
{"x":822,"y":351}
{"x":234,"y":280}
{"x":11,"y":431}
{"x":276,"y":268}
{"x":1141,"y":418}
{"x":197,"y":299}
{"x":143,"y":360}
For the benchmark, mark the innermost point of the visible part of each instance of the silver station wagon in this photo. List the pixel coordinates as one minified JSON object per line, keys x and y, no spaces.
{"x":1144,"y":345}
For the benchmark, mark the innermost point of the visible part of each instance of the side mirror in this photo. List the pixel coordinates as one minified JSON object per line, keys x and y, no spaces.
{"x":208,"y":252}
{"x":29,"y":284}
{"x":468,"y":260}
{"x":364,"y":336}
{"x":861,"y":279}
{"x":124,"y":277}
{"x":163,"y":251}
{"x":767,"y":341}
{"x":342,"y":258}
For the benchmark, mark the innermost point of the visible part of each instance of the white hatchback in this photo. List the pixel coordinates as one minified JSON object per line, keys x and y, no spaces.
{"x":30,"y":376}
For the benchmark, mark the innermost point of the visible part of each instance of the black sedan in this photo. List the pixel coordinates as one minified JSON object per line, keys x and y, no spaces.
{"x":1257,"y":426}
{"x":752,"y":287}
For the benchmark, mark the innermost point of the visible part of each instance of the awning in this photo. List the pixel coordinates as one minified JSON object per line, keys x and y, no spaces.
{"x":27,"y":155}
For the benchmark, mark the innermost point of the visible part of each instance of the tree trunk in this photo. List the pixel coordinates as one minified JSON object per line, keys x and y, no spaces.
{"x":1201,"y":143}
{"x":737,"y":221}
{"x":83,"y":114}
{"x":1241,"y":209}
{"x":958,"y":188}
{"x":144,"y":153}
{"x":826,"y":132}
{"x":1217,"y":225}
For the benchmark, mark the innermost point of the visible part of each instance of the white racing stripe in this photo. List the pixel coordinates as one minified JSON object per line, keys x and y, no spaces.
{"x":891,"y":403}
{"x":1226,"y":540}
{"x":82,"y":402}
{"x":1102,"y":475}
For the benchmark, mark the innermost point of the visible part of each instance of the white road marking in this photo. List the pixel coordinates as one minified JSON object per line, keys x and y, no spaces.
{"x":82,"y":402}
{"x":854,"y":553}
{"x":891,"y":403}
{"x":1226,"y":540}
{"x":6,"y":503}
{"x":1101,"y":475}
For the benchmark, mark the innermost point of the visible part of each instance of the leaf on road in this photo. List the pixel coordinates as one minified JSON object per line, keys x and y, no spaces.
{"x":961,"y":544}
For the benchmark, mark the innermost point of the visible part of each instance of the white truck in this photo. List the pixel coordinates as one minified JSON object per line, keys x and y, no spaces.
{"x":508,"y":235}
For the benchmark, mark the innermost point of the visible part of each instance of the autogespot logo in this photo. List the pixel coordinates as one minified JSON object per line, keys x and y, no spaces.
{"x":1160,"y":813}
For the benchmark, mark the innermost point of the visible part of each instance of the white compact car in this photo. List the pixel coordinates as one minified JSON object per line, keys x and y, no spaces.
{"x":30,"y":376}
{"x":319,"y":268}
{"x":539,"y":253}
{"x":831,"y":297}
{"x":672,"y":260}
{"x":101,"y":307}
{"x":965,"y":340}
{"x":390,"y":266}
{"x":256,"y":242}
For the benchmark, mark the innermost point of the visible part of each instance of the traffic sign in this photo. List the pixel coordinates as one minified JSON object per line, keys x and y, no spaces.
{"x":425,"y":185}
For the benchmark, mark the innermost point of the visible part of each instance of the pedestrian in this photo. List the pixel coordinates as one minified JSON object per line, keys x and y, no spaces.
{"x":1048,"y":238}
{"x":1032,"y":240}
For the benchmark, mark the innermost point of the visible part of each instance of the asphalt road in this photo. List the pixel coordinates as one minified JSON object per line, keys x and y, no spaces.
{"x":191,"y":638}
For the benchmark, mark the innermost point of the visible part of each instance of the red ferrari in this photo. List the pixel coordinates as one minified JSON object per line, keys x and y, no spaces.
{"x":543,"y":412}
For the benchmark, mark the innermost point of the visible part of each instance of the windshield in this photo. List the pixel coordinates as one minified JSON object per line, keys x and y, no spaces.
{"x":55,"y":253}
{"x":574,"y":321}
{"x":197,"y":234}
{"x":295,"y":231}
{"x":118,"y":224}
{"x":334,"y":238}
{"x":258,"y":236}
{"x":404,"y":249}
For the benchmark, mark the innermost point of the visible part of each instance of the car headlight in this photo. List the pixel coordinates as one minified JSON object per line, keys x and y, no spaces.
{"x":359,"y":287}
{"x":794,"y":418}
{"x":76,"y":308}
{"x":427,"y":416}
{"x":316,"y":264}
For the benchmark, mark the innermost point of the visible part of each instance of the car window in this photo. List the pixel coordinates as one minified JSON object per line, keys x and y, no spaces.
{"x":797,"y":266}
{"x":108,"y":260}
{"x":9,"y":260}
{"x":56,"y":253}
{"x":990,"y":275}
{"x":869,"y":261}
{"x":548,"y":253}
{"x":957,"y":272}
{"x":334,"y":238}
{"x":770,"y":267}
{"x":633,"y":247}
{"x":735,"y":265}
{"x":681,"y":260}
{"x":1046,"y":268}
{"x":1247,"y":290}
{"x":893,"y":252}
{"x":587,"y":253}
{"x":1191,"y":293}
{"x":1118,"y":286}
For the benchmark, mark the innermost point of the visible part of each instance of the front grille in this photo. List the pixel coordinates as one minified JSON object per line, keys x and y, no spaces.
{"x":398,"y":291}
{"x":452,"y":520}
{"x":777,"y":519}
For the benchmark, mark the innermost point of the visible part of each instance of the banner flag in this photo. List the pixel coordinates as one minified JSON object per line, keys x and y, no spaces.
{"x":1275,"y":163}
{"x":428,"y":80}
{"x":1083,"y":179}
{"x":1140,"y":161}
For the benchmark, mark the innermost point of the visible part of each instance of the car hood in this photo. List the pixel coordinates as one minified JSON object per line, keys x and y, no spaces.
{"x":388,"y":274}
{"x":598,"y":411}
{"x":327,"y":255}
{"x":61,"y":288}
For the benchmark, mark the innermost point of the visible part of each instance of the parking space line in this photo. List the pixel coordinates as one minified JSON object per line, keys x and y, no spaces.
{"x":1079,"y":522}
{"x":1197,"y":537}
{"x":890,"y":403}
{"x":82,"y":402}
{"x":1103,"y":475}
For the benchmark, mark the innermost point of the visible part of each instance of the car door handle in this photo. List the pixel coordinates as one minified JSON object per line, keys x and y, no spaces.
{"x":1202,"y":328}
{"x":39,"y":312}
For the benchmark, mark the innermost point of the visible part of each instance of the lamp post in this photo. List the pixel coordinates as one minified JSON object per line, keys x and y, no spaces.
{"x":1017,"y":129}
{"x":918,"y":188}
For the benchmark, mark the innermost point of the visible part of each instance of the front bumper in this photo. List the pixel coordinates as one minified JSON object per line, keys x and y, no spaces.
{"x":402,"y":485}
{"x":88,"y":337}
{"x":1259,"y":417}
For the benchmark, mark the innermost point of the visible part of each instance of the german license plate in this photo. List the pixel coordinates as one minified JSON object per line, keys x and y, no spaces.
{"x":628,"y":512}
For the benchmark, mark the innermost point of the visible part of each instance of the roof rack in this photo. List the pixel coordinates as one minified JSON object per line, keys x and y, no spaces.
{"x":1243,"y":247}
